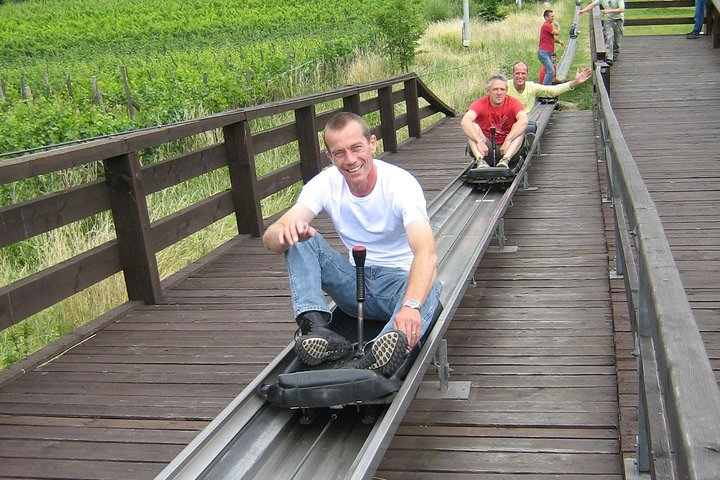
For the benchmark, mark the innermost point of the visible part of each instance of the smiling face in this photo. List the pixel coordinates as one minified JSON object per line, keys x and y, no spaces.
{"x":520,"y":73}
{"x":352,"y":153}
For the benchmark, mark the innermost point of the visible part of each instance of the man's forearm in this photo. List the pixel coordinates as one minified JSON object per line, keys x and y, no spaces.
{"x":421,"y":277}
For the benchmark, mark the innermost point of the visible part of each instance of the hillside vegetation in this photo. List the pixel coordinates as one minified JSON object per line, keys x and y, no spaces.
{"x":182,"y":58}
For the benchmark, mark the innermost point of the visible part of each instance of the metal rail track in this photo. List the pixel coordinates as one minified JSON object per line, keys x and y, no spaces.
{"x":251,"y":439}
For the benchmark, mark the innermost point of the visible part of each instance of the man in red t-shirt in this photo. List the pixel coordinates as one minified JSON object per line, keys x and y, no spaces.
{"x":497,"y":111}
{"x":546,"y":48}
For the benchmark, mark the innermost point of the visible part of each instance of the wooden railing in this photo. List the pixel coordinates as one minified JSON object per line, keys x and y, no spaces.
{"x":635,"y":20}
{"x":126,"y":184}
{"x":679,"y":399}
{"x":711,"y":15}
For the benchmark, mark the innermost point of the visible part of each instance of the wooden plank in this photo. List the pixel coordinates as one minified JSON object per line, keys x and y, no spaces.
{"x":44,"y":289}
{"x":46,"y":213}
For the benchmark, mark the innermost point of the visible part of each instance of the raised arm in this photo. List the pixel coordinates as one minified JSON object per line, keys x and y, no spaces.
{"x":587,"y":8}
{"x":292,"y":227}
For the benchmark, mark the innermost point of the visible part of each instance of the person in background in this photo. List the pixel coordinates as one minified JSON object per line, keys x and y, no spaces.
{"x":549,"y":31}
{"x":497,"y":112}
{"x":376,"y":205}
{"x":699,"y":19}
{"x":528,"y":92}
{"x":613,"y":24}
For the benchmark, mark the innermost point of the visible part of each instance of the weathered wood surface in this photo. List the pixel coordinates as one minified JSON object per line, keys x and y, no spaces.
{"x":126,"y":401}
{"x":666,"y":96}
{"x":123,"y":403}
{"x":534,"y":336}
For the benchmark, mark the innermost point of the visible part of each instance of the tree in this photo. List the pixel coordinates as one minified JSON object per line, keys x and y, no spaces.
{"x":401,"y":24}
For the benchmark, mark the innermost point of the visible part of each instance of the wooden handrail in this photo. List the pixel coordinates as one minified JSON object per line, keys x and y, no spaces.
{"x":679,"y":399}
{"x":127,"y":183}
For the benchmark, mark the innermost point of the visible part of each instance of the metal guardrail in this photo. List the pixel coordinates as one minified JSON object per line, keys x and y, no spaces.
{"x":679,"y":399}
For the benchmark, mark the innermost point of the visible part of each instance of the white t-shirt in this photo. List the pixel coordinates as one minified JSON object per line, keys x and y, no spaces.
{"x":376,"y":221}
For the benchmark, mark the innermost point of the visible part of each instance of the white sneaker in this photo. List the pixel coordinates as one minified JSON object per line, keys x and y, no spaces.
{"x":481,"y":163}
{"x":503,"y":163}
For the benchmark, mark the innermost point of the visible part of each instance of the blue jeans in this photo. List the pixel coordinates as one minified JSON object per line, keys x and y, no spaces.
{"x":546,"y":58}
{"x":314,"y":267}
{"x":532,"y":127}
{"x":699,"y":15}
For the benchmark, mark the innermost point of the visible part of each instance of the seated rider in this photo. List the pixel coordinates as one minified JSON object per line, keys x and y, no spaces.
{"x":495,"y":120}
{"x":372,"y":204}
{"x":528,"y":92}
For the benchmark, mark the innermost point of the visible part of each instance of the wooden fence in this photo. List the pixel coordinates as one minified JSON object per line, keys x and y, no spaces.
{"x":711,"y":15}
{"x":124,"y":189}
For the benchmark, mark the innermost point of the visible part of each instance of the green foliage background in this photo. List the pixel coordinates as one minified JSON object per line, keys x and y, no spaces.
{"x":182,"y":56}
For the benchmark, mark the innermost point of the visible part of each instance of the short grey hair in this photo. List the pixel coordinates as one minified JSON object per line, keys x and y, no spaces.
{"x":497,"y":76}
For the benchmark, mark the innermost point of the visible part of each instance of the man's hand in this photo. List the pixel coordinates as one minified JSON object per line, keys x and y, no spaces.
{"x":482,"y":148}
{"x":291,"y":228}
{"x":409,"y":322}
{"x":581,"y":76}
{"x":295,"y":232}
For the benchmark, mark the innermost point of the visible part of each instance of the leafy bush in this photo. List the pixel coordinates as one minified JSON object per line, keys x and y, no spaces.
{"x":401,"y":24}
{"x":491,"y":10}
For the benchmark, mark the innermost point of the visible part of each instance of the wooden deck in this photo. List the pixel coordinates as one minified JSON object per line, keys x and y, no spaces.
{"x":535,"y":335}
{"x":666,"y":96}
{"x":535,"y":338}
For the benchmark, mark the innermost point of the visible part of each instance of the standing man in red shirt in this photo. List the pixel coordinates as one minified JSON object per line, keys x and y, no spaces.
{"x":496,"y":110}
{"x":546,"y":48}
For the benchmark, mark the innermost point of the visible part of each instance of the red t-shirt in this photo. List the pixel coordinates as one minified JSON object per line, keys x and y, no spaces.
{"x":547,"y":39}
{"x":502,"y":117}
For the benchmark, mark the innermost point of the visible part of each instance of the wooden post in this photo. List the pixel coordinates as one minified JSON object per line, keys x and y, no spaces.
{"x":97,"y":94}
{"x":387,"y":119}
{"x":46,"y":80}
{"x":128,"y":95}
{"x":605,"y":72}
{"x":352,"y":104}
{"x":68,"y":82}
{"x":713,"y":26}
{"x":243,"y":178}
{"x":123,"y":176}
{"x":25,"y":89}
{"x":413,"y":108}
{"x":307,"y":135}
{"x":2,"y":90}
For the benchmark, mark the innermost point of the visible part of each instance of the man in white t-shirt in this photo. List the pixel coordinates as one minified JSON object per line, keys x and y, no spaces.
{"x":372,"y":204}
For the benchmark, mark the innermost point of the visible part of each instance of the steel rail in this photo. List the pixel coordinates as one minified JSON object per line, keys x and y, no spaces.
{"x":251,"y":439}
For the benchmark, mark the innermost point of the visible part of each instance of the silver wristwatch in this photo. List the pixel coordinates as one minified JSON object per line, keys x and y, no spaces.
{"x":412,"y":303}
